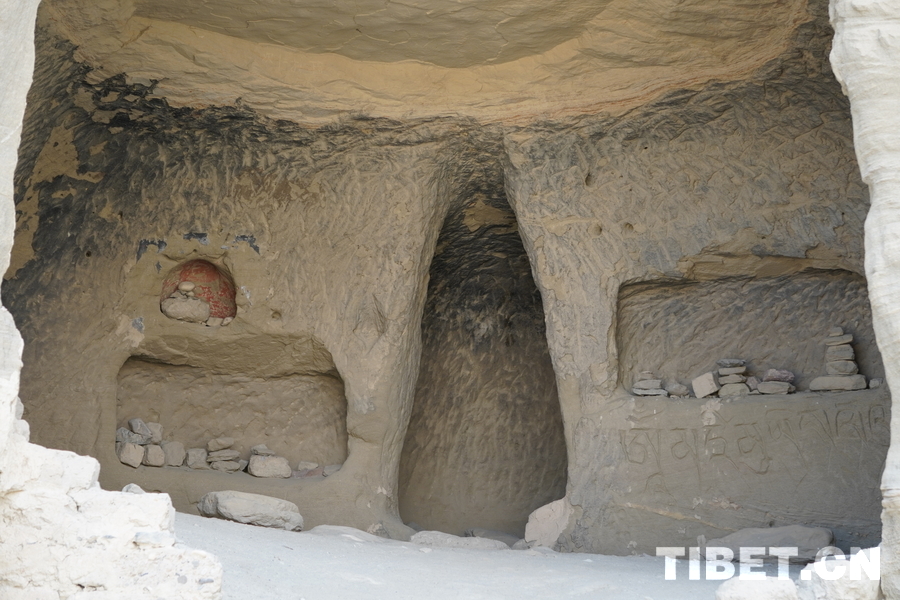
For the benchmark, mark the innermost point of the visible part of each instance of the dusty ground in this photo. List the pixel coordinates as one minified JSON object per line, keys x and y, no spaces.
{"x":329,"y":563}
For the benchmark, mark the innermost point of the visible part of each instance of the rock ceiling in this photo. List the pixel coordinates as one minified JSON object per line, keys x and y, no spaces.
{"x":510,"y":60}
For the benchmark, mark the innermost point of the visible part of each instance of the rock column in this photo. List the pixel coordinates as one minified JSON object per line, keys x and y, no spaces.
{"x":864,"y":56}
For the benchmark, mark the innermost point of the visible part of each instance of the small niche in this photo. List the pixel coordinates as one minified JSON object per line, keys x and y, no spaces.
{"x":678,"y":330}
{"x":197,"y":291}
{"x":278,"y":392}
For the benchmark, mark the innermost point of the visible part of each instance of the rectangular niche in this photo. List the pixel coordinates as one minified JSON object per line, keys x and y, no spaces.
{"x":678,"y":330}
{"x":300,"y":417}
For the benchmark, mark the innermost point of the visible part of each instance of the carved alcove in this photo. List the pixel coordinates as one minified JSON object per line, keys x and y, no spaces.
{"x":485,"y":442}
{"x":811,"y":458}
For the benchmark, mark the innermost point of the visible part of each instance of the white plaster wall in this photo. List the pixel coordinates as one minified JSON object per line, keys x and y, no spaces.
{"x":62,"y":536}
{"x":866,"y":59}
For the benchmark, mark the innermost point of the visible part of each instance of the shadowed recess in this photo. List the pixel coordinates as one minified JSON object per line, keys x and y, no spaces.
{"x":485,"y":443}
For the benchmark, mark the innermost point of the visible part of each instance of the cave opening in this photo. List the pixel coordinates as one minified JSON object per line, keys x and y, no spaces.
{"x":485,"y":444}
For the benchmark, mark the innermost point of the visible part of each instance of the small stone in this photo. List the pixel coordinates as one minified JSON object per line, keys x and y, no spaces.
{"x":253,"y":509}
{"x":842,"y":352}
{"x":139,"y":427}
{"x":269,"y":466}
{"x":227,"y":321}
{"x":732,"y":370}
{"x":766,"y":588}
{"x":186,"y":286}
{"x":752,"y":383}
{"x":838,"y":340}
{"x":705,"y":384}
{"x":154,"y":456}
{"x":175,"y":453}
{"x":734,"y":389}
{"x":653,"y":392}
{"x":875,"y":382}
{"x":647,"y":384}
{"x":227,"y":454}
{"x":261,"y":450}
{"x":841,"y":367}
{"x":133,"y":488}
{"x":677,"y":389}
{"x":774,"y":387}
{"x":836,"y":331}
{"x":228,"y":466}
{"x":305,"y":465}
{"x":192,"y":310}
{"x":126,"y":436}
{"x":243,"y":464}
{"x":838,"y":383}
{"x":214,"y":322}
{"x":318,"y":471}
{"x":156,"y":432}
{"x":130,"y":454}
{"x":644,"y":375}
{"x":727,"y":363}
{"x":732,"y":379}
{"x":501,"y":536}
{"x":753,"y":393}
{"x":196,"y":458}
{"x":220,"y":443}
{"x":779,"y":375}
{"x":331,"y":470}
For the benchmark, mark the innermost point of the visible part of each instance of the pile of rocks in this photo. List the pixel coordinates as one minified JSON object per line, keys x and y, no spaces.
{"x":310,"y":469}
{"x":776,"y":381}
{"x":141,"y":443}
{"x":649,"y":385}
{"x":730,"y":379}
{"x":842,"y":371}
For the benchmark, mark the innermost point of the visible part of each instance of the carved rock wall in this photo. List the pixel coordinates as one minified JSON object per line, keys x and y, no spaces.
{"x":62,"y":535}
{"x":756,"y":178}
{"x":329,"y":235}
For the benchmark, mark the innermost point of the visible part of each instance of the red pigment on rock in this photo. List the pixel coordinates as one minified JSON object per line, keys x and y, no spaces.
{"x":211,"y":284}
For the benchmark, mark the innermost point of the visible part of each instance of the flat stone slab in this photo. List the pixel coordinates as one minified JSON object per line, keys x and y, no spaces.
{"x":677,"y":389}
{"x":838,"y":340}
{"x":779,"y":375}
{"x":647,"y":384}
{"x":727,"y":363}
{"x":774,"y":387}
{"x":252,"y":509}
{"x":841,"y":367}
{"x":439,"y":539}
{"x":842,"y":352}
{"x":734,"y":389}
{"x":732,"y":370}
{"x":726,"y":379}
{"x":227,"y":454}
{"x":651,"y":392}
{"x":219,"y":443}
{"x":838,"y":383}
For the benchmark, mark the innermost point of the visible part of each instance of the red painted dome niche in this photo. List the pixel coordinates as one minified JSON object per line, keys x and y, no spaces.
{"x":200,"y":292}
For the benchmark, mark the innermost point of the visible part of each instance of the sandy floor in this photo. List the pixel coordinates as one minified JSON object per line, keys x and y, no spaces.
{"x":339,"y":563}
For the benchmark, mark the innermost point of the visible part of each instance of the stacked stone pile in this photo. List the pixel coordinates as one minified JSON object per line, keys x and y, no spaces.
{"x":648,"y":385}
{"x":842,"y":372}
{"x":731,"y":379}
{"x":776,"y":381}
{"x":141,"y":444}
